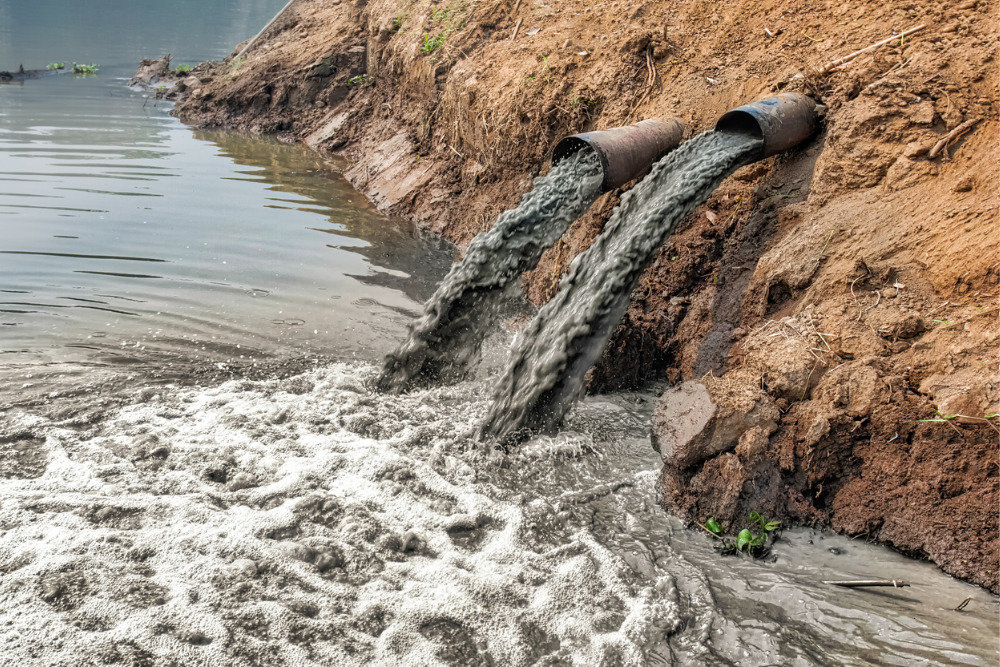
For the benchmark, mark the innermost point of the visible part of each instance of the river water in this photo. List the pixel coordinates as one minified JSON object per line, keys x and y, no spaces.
{"x":193,"y":469}
{"x":132,"y":244}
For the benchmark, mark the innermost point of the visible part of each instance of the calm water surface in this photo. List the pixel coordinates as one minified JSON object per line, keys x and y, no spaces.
{"x":128,"y":240}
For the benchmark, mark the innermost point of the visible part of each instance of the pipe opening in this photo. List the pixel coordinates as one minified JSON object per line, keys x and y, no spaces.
{"x":568,"y":147}
{"x":739,"y":122}
{"x":782,"y":121}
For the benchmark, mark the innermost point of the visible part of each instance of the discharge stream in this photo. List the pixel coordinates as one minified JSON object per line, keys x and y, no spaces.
{"x":445,"y":340}
{"x":546,"y":371}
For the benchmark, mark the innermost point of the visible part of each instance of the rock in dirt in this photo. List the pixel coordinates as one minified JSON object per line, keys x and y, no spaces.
{"x":699,"y":419}
{"x":151,"y":71}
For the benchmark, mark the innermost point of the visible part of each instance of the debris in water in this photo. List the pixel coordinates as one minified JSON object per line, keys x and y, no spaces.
{"x":862,"y":583}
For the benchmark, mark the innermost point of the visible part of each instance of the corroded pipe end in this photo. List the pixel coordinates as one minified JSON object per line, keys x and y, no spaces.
{"x":625,"y":152}
{"x":783,"y":121}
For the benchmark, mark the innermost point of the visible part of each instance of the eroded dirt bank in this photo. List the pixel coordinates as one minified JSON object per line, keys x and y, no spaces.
{"x":819,"y":306}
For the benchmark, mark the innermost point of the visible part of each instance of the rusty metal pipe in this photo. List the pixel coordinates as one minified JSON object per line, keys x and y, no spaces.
{"x":625,"y":152}
{"x":783,"y":121}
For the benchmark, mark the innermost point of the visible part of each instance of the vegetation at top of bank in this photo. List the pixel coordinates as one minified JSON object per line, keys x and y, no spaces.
{"x":444,"y":19}
{"x":754,"y":540}
{"x":432,"y":43}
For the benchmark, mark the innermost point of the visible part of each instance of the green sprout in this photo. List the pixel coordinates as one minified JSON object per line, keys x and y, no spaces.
{"x":181,"y":69}
{"x":753,"y":540}
{"x":432,"y":43}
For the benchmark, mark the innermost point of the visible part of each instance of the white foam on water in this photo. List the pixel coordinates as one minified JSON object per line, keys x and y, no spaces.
{"x":303,"y":521}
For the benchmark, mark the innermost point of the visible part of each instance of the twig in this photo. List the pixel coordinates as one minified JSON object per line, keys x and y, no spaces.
{"x":861,"y":583}
{"x":827,"y":68}
{"x":517,"y":6}
{"x":264,"y":29}
{"x":963,"y":604}
{"x":517,"y":27}
{"x":718,"y":537}
{"x":951,"y":136}
{"x":651,"y":77}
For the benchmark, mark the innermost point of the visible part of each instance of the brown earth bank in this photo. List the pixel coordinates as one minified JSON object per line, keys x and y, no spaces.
{"x":828,"y":318}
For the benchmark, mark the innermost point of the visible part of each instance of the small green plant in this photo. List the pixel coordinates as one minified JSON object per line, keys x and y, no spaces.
{"x":56,"y":66}
{"x":941,"y":418}
{"x":432,"y":43}
{"x":754,"y":540}
{"x":358,"y":80}
{"x":85,"y":70}
{"x":545,"y":62}
{"x":181,"y":69}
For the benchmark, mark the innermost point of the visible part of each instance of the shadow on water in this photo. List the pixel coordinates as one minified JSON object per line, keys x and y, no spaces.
{"x":386,"y":244}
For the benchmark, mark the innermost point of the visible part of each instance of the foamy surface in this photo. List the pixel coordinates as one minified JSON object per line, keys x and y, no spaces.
{"x":308,"y":521}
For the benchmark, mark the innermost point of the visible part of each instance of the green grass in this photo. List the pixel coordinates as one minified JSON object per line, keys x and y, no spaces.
{"x":444,"y":20}
{"x":358,"y":80}
{"x":433,"y":42}
{"x":181,"y":69}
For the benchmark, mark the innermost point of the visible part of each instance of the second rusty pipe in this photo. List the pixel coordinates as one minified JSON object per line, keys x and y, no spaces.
{"x":624,"y":152}
{"x":783,"y":121}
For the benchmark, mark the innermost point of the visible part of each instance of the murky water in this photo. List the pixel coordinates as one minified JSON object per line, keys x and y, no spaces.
{"x":300,"y":518}
{"x":130,"y":243}
{"x":308,"y":521}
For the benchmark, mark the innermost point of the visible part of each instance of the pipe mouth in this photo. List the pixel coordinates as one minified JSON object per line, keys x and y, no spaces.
{"x":782,"y":121}
{"x":624,"y":152}
{"x":572,"y":145}
{"x":738,"y":121}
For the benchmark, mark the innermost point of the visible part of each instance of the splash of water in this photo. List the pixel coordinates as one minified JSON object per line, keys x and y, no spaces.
{"x":445,"y":340}
{"x":545,"y":374}
{"x":305,"y":521}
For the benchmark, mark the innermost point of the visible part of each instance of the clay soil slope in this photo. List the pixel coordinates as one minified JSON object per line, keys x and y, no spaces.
{"x":828,"y":319}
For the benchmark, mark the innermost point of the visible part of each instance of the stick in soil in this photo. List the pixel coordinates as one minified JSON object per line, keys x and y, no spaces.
{"x":830,"y":66}
{"x":264,"y":29}
{"x":863,"y":583}
{"x":517,"y":27}
{"x":951,"y":136}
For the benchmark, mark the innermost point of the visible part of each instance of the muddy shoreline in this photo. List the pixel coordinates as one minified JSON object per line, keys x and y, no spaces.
{"x":817,"y":316}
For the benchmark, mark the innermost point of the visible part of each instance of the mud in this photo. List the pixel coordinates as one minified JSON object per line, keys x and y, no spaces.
{"x":890,"y":255}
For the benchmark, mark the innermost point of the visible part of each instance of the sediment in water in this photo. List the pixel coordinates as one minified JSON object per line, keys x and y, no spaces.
{"x":546,"y":372}
{"x":445,"y":339}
